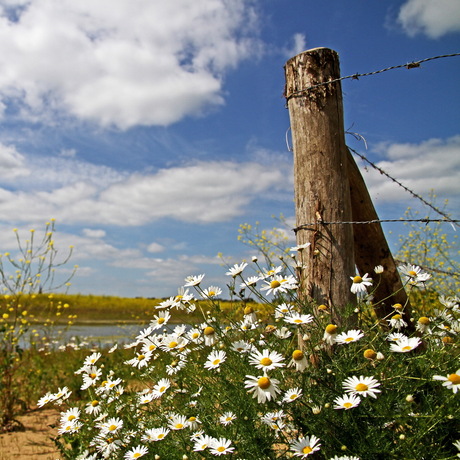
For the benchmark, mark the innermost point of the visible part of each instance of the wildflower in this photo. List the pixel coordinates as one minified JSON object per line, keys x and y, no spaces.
{"x":112,"y":425}
{"x":283,"y":309}
{"x":91,"y":359}
{"x":267,"y":360}
{"x":155,"y":434}
{"x":272,"y":272}
{"x":414,"y":275}
{"x":292,"y":394}
{"x":370,"y":354}
{"x":330,"y":333}
{"x":283,"y":333}
{"x":379,"y":269}
{"x":193,"y":422}
{"x":296,"y":318}
{"x":202,"y":442}
{"x":209,"y":336}
{"x":70,"y":415}
{"x":397,"y":321}
{"x":405,"y":344}
{"x":360,"y":284}
{"x":160,"y":320}
{"x":141,"y":360}
{"x":303,"y":447}
{"x":241,"y":346}
{"x":215,"y":359}
{"x":299,"y":247}
{"x":279,"y":284}
{"x":227,"y":418}
{"x":161,"y":387}
{"x":452,"y":381}
{"x":173,"y":342}
{"x":352,"y":335}
{"x":347,"y":401}
{"x":61,"y":395}
{"x":211,"y":292}
{"x":423,"y":324}
{"x":91,"y":376}
{"x":250,"y":281}
{"x":48,"y":397}
{"x":236,"y":269}
{"x":69,"y":427}
{"x":178,"y":422}
{"x":262,"y":387}
{"x":274,"y":420}
{"x":93,"y":408}
{"x":145,"y":398}
{"x":395,"y":336}
{"x":221,"y":446}
{"x":136,"y":452}
{"x":362,"y":386}
{"x":299,"y":360}
{"x":193,"y":280}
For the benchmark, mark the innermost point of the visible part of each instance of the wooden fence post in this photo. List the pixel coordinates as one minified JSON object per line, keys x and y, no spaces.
{"x":320,"y":178}
{"x":329,"y":188}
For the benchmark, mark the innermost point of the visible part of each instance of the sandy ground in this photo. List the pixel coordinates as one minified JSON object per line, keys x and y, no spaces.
{"x":34,"y":443}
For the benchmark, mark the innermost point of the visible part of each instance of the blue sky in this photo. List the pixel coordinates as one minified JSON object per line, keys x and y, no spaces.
{"x":150,"y":130}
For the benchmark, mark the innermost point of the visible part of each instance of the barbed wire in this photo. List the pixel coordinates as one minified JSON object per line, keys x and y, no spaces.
{"x":357,"y":76}
{"x":415,"y":195}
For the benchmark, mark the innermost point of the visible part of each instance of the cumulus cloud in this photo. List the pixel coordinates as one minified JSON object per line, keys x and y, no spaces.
{"x":434,"y":18}
{"x":118,"y":62}
{"x":12,"y":163}
{"x":201,"y":192}
{"x":433,"y":164}
{"x":298,"y":45}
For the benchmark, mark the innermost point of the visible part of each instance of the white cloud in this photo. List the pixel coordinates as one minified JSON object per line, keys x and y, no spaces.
{"x":92,"y":233}
{"x":77,"y":192}
{"x":298,"y":46}
{"x":12,"y":163}
{"x":119,"y":62}
{"x":155,"y":247}
{"x":434,"y":18}
{"x":431,"y":165}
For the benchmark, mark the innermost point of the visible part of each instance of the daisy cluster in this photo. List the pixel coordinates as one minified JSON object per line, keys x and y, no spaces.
{"x":295,"y":385}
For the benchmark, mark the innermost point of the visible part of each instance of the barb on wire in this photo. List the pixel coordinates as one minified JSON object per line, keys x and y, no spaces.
{"x":357,"y":76}
{"x":375,"y":221}
{"x":415,"y":195}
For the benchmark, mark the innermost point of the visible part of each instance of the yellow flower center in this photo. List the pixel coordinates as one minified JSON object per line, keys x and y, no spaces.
{"x":208,"y":330}
{"x":173,"y":344}
{"x":161,"y":436}
{"x":347,"y":405}
{"x":112,"y":427}
{"x":397,"y":306}
{"x":297,"y":355}
{"x":357,"y":279}
{"x":406,"y":348}
{"x":361,"y":387}
{"x":195,"y":335}
{"x":71,"y":417}
{"x":370,"y":354}
{"x":298,"y":321}
{"x":162,"y":389}
{"x":275,"y":284}
{"x":293,"y":396}
{"x":152,"y":347}
{"x":211,"y":293}
{"x":192,"y":419}
{"x":248,"y":310}
{"x":322,"y":307}
{"x":136,"y":455}
{"x":263,"y":382}
{"x":266,"y":362}
{"x":331,"y":328}
{"x":141,"y":357}
{"x":93,"y":376}
{"x":216,"y":362}
{"x":349,"y":339}
{"x":412,"y":273}
{"x":447,"y":340}
{"x":179,"y":426}
{"x":307,"y":450}
{"x":454,"y":378}
{"x":424,"y":320}
{"x":161,"y":320}
{"x":396,"y":317}
{"x":220,"y":449}
{"x":95,"y":403}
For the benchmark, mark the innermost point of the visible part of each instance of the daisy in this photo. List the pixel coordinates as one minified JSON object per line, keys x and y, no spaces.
{"x":299,"y":360}
{"x":141,"y":360}
{"x":215,"y":359}
{"x":250,"y":281}
{"x":267,"y":360}
{"x":221,"y":446}
{"x":178,"y":422}
{"x":211,"y":292}
{"x":360,"y":284}
{"x":236,"y":269}
{"x":91,"y":359}
{"x":48,"y":397}
{"x":347,"y":401}
{"x":262,"y":387}
{"x":93,"y":408}
{"x":452,"y":381}
{"x":279,"y":284}
{"x":292,"y":394}
{"x":62,"y":394}
{"x":423,"y":324}
{"x":397,"y":321}
{"x":347,"y":337}
{"x":297,"y":318}
{"x":112,"y":425}
{"x":274,"y":420}
{"x":395,"y":336}
{"x":299,"y":247}
{"x":272,"y":272}
{"x":209,"y":335}
{"x":405,"y":344}
{"x":344,"y":457}
{"x":193,"y":280}
{"x":414,"y":275}
{"x":160,"y":320}
{"x":303,"y":447}
{"x":241,"y":346}
{"x":145,"y":398}
{"x":155,"y":434}
{"x":379,"y":269}
{"x":283,"y":333}
{"x":161,"y":387}
{"x":195,"y":335}
{"x":283,"y":309}
{"x":202,"y":442}
{"x":227,"y":418}
{"x":173,"y":343}
{"x":91,"y":376}
{"x":193,"y":422}
{"x":362,"y":386}
{"x":136,"y":452}
{"x":69,"y":427}
{"x":330,"y":333}
{"x":70,"y":415}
